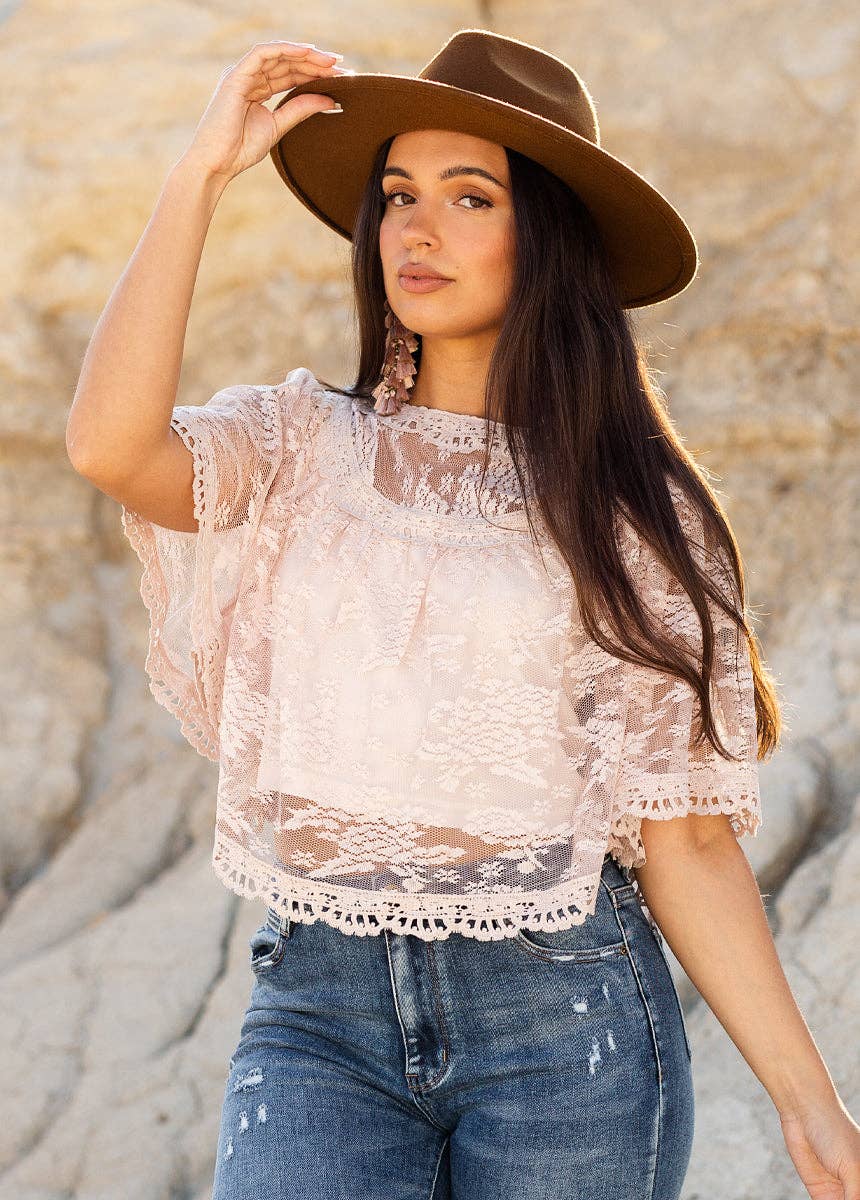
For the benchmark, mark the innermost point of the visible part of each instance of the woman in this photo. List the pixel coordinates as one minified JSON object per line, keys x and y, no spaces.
{"x":460,"y":685}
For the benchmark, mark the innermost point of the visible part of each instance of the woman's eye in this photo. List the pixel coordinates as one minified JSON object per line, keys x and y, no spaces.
{"x":480,"y":199}
{"x":389,"y":196}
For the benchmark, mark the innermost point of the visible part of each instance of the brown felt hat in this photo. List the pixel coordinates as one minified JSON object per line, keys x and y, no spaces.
{"x":509,"y":92}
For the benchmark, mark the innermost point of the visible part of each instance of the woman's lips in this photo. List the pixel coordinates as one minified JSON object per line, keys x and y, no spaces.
{"x":425,"y":283}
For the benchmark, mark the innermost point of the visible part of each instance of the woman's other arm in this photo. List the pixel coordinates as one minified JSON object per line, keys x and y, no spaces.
{"x":704,"y":896}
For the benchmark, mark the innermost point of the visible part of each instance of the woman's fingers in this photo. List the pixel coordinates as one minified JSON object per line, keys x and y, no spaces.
{"x":284,"y":64}
{"x":270,"y":53}
{"x":280,"y":81}
{"x":310,"y":71}
{"x":236,"y":130}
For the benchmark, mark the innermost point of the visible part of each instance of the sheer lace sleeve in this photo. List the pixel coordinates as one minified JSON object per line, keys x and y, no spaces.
{"x":241,"y":439}
{"x":664,"y":772}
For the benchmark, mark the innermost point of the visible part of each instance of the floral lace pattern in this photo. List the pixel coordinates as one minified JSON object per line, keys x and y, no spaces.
{"x":413,"y":731}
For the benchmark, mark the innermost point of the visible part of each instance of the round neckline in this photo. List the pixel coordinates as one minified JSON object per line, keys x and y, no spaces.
{"x":425,"y":412}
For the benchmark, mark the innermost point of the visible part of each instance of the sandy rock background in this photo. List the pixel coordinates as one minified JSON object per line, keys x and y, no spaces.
{"x":123,"y":962}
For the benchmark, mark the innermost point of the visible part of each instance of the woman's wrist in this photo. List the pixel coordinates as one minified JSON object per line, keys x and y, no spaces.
{"x":199,"y":177}
{"x":795,"y":1092}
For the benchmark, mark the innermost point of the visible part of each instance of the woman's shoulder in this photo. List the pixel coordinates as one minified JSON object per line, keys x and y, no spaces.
{"x":299,"y":379}
{"x":303,"y":381}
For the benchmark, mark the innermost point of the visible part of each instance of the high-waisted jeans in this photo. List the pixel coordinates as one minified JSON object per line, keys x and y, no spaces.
{"x":545,"y":1066}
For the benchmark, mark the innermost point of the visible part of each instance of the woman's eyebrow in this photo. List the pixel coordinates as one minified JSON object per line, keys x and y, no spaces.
{"x":449,"y":173}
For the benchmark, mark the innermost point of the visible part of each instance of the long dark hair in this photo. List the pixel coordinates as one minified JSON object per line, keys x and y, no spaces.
{"x":613,"y":449}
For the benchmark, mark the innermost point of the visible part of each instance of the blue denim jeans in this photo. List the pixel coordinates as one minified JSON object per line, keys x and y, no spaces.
{"x":545,"y":1066}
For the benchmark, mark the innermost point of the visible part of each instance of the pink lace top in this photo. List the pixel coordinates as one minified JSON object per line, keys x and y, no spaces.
{"x":409,"y":721}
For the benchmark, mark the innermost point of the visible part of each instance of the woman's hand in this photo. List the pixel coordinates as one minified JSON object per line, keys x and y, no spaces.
{"x":824,"y":1144}
{"x":237,"y":130}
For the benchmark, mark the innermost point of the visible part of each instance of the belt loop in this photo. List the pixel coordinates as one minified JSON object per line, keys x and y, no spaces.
{"x":278,"y":921}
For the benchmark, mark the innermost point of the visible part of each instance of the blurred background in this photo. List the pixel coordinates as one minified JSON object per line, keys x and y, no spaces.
{"x":124,"y":963}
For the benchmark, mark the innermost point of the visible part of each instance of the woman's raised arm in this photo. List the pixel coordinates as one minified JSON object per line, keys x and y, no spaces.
{"x":118,"y":432}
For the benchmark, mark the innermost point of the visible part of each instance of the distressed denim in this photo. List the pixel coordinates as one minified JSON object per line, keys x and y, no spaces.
{"x":545,"y":1066}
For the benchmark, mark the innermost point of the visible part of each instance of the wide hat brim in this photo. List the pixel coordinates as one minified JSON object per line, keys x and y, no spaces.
{"x":326,"y":163}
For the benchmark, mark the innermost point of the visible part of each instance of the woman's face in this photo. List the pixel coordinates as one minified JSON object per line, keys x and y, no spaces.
{"x":461,"y":226}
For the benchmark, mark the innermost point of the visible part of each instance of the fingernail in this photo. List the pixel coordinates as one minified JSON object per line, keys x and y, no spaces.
{"x":337,"y":108}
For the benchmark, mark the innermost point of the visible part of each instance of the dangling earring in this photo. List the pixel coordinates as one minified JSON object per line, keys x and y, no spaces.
{"x":398,"y":367}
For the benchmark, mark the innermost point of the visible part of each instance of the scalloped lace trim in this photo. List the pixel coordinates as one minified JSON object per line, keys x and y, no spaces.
{"x":431,"y":918}
{"x":625,"y":840}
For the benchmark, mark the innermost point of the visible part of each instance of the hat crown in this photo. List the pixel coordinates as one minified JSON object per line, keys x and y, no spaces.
{"x":506,"y":69}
